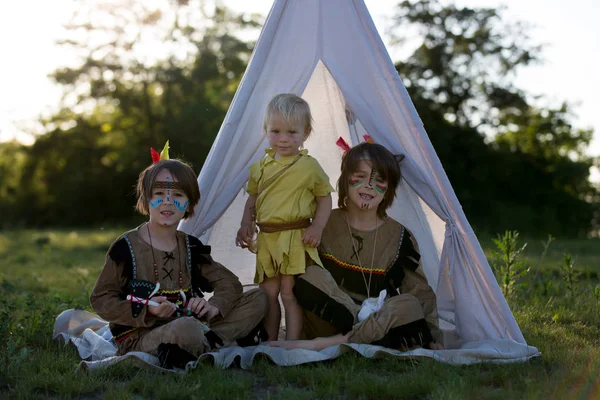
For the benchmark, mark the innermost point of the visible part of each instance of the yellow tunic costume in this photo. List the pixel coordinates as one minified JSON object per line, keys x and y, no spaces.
{"x":290,"y":197}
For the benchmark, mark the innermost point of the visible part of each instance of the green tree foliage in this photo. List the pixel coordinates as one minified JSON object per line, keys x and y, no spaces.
{"x":13,"y":157}
{"x":464,"y":58}
{"x":145,"y":75}
{"x":513,"y":165}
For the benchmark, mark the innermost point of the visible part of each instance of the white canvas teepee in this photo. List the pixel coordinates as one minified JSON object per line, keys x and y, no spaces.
{"x":329,"y":52}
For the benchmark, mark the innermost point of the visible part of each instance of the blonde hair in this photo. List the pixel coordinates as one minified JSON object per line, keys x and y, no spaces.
{"x":292,"y":108}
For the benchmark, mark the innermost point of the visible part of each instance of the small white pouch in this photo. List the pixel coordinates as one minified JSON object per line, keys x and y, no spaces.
{"x":371,"y":305}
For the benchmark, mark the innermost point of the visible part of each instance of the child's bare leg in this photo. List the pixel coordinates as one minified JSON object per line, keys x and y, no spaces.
{"x":316,"y":344}
{"x":293,"y":311}
{"x":271,"y":287}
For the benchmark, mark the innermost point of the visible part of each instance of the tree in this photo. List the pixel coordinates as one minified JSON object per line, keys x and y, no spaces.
{"x":13,"y":201}
{"x":464,"y":58}
{"x":146,"y":75}
{"x":533,"y":174}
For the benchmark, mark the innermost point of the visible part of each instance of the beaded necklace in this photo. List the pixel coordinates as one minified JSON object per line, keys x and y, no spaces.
{"x":367,"y":285}
{"x":156,"y":279}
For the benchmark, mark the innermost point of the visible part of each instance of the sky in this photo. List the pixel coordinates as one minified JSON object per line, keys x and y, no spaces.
{"x":569,"y":29}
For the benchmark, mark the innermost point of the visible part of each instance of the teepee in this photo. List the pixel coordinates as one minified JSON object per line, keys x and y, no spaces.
{"x":329,"y":52}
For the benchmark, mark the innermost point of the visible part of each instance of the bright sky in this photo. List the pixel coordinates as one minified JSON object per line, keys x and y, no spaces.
{"x":570,"y":72}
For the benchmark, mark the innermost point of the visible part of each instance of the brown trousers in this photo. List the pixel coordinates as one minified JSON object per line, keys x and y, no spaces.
{"x":396,"y":311}
{"x":188,"y":332}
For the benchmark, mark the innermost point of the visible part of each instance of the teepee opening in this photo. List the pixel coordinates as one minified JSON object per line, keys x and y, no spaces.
{"x":334,"y":118}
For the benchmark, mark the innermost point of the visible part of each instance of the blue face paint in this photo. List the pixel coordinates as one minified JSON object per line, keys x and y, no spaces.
{"x":155,"y":203}
{"x":179,"y":206}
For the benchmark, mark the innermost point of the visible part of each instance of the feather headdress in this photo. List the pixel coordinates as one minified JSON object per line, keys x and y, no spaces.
{"x":164,"y":154}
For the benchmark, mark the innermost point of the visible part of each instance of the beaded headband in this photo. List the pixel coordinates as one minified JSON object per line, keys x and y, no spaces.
{"x":166,"y":185}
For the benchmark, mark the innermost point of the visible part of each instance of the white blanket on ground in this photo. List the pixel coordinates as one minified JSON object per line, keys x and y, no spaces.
{"x":93,"y":340}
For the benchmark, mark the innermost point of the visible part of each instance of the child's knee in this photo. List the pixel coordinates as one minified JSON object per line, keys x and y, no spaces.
{"x":271,"y":286}
{"x":288,"y":298}
{"x":188,"y":333}
{"x":271,"y":296}
{"x":287,"y":284}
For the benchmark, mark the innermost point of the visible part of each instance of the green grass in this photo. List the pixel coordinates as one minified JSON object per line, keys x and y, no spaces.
{"x":45,"y":272}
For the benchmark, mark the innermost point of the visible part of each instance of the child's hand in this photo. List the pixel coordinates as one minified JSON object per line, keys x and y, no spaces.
{"x":244,"y":235}
{"x":312,"y":236}
{"x":164,"y":310}
{"x":202,"y":308}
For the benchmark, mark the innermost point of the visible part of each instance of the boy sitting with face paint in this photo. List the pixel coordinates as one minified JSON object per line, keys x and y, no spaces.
{"x":152,"y":286}
{"x":370,"y":291}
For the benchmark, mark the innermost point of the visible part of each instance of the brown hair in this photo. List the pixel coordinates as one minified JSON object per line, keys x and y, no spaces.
{"x":384,"y":163}
{"x":181,"y":171}
{"x":292,"y":108}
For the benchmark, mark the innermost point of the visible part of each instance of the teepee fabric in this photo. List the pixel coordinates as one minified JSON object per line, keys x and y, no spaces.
{"x":329,"y":52}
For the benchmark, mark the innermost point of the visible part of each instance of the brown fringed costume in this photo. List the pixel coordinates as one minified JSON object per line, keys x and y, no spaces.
{"x":188,"y":268}
{"x":331,"y":297}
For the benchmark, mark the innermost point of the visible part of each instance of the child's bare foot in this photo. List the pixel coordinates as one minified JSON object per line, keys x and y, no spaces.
{"x":432,"y":346}
{"x":294,"y":344}
{"x":316,"y":344}
{"x":409,"y":348}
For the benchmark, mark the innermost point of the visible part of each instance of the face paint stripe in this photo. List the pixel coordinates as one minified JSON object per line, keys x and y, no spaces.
{"x":156,"y":203}
{"x":380,"y":188}
{"x":354,"y":182}
{"x":168,"y":191}
{"x":179,"y":206}
{"x":372,"y":177}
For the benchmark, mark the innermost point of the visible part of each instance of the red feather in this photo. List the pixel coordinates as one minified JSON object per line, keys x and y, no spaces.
{"x":368,"y":139}
{"x":155,"y":156}
{"x":342,"y":144}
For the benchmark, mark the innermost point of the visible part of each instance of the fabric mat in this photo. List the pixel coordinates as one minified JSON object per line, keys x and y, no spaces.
{"x":92,"y":338}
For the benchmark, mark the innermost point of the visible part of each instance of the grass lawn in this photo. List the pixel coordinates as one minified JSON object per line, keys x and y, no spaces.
{"x":45,"y":272}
